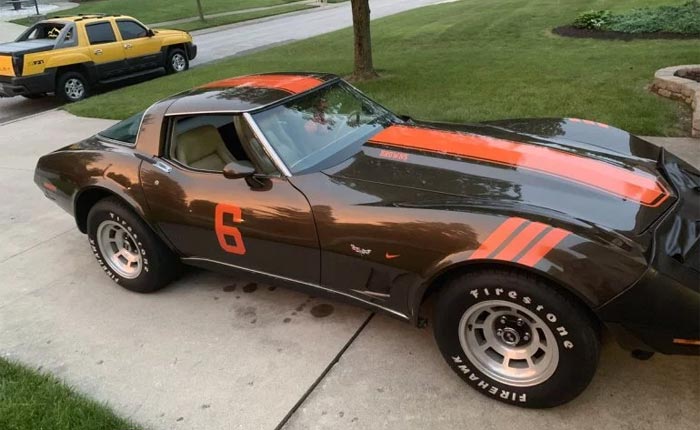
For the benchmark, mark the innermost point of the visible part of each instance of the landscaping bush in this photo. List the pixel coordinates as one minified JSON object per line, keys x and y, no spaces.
{"x":683,"y":19}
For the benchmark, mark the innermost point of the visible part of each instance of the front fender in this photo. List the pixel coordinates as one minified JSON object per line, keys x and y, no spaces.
{"x":593,"y":264}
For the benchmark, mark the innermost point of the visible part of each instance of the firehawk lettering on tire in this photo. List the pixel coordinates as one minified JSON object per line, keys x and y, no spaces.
{"x":531,"y":236}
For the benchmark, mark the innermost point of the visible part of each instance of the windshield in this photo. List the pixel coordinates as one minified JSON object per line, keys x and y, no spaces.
{"x":124,"y":131}
{"x":326,"y":125}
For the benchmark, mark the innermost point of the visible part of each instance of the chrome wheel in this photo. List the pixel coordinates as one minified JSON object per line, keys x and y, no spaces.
{"x":508,"y":343}
{"x":119,"y":249}
{"x":74,"y":89}
{"x":179,"y":62}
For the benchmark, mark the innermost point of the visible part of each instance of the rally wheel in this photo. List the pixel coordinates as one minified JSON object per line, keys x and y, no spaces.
{"x":127,"y":249}
{"x":516,"y":338}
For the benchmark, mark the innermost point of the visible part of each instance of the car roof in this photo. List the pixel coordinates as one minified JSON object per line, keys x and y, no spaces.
{"x":89,"y":17}
{"x":246,"y":93}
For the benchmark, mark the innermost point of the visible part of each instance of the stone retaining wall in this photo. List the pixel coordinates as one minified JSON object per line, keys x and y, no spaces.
{"x":668,"y":83}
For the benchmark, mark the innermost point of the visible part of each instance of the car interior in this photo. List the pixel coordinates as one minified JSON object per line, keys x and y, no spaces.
{"x":208,"y":142}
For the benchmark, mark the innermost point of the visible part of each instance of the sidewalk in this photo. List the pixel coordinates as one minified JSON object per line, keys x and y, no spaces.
{"x":233,"y":12}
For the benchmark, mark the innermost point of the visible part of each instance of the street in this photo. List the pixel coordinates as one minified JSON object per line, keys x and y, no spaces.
{"x":217,"y":43}
{"x":210,"y":352}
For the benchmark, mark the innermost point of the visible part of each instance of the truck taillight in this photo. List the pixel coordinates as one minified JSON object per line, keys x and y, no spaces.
{"x":17,"y":63}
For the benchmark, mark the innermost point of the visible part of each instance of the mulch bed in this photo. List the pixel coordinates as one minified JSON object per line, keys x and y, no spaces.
{"x":583,"y":33}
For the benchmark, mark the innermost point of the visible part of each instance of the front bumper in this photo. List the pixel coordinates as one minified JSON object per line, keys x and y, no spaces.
{"x":661,"y":312}
{"x":41,"y":83}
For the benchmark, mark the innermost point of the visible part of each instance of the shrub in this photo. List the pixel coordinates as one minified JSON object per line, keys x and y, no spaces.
{"x":593,"y":20}
{"x":683,"y":19}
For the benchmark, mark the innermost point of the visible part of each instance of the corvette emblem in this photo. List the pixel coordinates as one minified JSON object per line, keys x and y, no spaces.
{"x":359,"y":250}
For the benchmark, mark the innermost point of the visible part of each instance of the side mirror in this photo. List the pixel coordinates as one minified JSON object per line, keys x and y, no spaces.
{"x":406,"y":118}
{"x":150,"y":33}
{"x":237,"y":170}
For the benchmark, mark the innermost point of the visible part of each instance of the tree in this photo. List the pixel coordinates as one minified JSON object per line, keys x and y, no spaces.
{"x":364,"y":68}
{"x":200,"y":10}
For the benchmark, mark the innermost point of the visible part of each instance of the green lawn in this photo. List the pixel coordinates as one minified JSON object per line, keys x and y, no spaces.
{"x":471,"y":61}
{"x":239,"y":17}
{"x":153,"y":11}
{"x":34,"y":401}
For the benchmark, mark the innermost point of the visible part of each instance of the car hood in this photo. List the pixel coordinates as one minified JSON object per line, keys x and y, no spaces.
{"x":611,"y":181}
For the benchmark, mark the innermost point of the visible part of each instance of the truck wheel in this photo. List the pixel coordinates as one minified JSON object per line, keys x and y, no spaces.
{"x":72,"y":87}
{"x":516,"y":338}
{"x":127,"y":250}
{"x":177,"y":61}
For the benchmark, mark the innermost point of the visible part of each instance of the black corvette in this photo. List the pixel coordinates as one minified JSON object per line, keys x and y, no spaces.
{"x":528,"y":236}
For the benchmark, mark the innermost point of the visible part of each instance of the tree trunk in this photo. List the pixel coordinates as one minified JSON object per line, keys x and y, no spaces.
{"x":364,"y":69}
{"x":200,"y":10}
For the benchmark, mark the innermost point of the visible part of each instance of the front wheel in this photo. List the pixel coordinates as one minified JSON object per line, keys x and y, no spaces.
{"x":128,"y":250}
{"x":177,"y":61}
{"x":516,"y":338}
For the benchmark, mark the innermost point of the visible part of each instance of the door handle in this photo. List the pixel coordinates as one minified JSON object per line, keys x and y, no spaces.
{"x":155,"y":162}
{"x":128,"y":46}
{"x":98,"y":52}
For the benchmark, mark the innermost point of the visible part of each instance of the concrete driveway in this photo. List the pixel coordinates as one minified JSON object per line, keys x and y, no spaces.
{"x":216,"y":353}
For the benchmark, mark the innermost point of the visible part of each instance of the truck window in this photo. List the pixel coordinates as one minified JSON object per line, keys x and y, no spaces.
{"x":44,"y":30}
{"x":100,"y":32}
{"x":130,"y":29}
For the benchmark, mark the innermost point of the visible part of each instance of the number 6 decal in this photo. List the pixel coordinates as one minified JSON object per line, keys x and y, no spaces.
{"x":224,"y":231}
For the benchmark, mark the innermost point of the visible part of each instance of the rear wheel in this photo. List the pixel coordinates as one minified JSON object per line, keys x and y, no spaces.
{"x":72,"y":87}
{"x":177,"y":61}
{"x":516,"y":339}
{"x":127,"y":250}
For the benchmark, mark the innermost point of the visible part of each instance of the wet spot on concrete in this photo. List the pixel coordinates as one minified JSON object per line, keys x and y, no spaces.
{"x":341,"y":414}
{"x":323,"y":412}
{"x":179,"y":419}
{"x":380,"y":389}
{"x":271,"y":288}
{"x":206,"y":406}
{"x":294,"y":313}
{"x":322,"y":310}
{"x":238,"y":297}
{"x":248,"y":312}
{"x":251,"y":383}
{"x":230,"y":288}
{"x":48,"y":342}
{"x":216,"y":298}
{"x":100,"y":362}
{"x":354,"y":420}
{"x":254,"y":321}
{"x":301,"y":307}
{"x":249,"y":288}
{"x":286,"y":320}
{"x":279,"y":349}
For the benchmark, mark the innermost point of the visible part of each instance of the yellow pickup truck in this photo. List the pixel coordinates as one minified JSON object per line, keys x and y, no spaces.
{"x":69,"y":56}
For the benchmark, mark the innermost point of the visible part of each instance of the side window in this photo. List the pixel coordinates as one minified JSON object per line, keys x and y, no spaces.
{"x":131,"y":29}
{"x":124,"y":131}
{"x":209,"y":142}
{"x":100,"y":32}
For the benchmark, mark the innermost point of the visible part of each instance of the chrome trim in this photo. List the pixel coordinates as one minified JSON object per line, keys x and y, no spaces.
{"x":308,"y":284}
{"x":115,"y":141}
{"x":205,"y":112}
{"x":373,"y":294}
{"x":266,"y":146}
{"x":138,"y":133}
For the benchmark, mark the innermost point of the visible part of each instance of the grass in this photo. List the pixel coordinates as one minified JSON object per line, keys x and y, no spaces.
{"x":470,"y":61}
{"x":239,"y":17}
{"x":154,"y":11}
{"x":35,"y":401}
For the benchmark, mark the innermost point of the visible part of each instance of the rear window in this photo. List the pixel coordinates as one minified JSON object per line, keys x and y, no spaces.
{"x":44,"y":30}
{"x":125,"y":131}
{"x":100,"y":33}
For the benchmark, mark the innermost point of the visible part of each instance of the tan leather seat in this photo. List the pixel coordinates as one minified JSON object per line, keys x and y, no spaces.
{"x":203,"y":148}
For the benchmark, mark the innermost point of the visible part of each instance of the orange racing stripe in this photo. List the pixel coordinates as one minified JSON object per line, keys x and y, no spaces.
{"x":496,"y":238}
{"x":541,"y":248}
{"x":291,"y":83}
{"x":516,"y":244}
{"x":634,"y":185}
{"x":521,"y":241}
